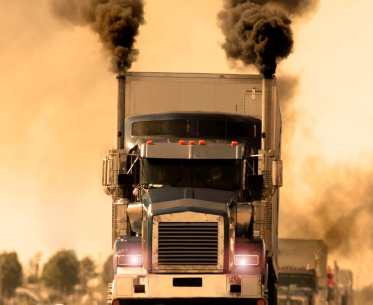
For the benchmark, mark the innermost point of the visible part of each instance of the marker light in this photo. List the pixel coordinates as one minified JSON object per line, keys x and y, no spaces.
{"x":202,"y":142}
{"x":293,"y":268}
{"x":234,"y":143}
{"x":192,"y":142}
{"x":130,"y":260}
{"x":182,"y":142}
{"x":149,"y":142}
{"x":246,"y":260}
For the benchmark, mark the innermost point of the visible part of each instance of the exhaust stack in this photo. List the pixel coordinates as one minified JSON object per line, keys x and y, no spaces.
{"x":120,"y":221}
{"x":119,"y":140}
{"x":268,"y":114}
{"x":270,"y":139}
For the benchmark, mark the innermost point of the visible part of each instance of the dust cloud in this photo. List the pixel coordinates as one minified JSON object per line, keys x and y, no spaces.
{"x":321,"y":199}
{"x":56,"y":125}
{"x":338,"y":210}
{"x":288,"y":87}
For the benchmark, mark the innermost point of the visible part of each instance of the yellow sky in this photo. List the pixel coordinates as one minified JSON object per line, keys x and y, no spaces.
{"x":58,"y":101}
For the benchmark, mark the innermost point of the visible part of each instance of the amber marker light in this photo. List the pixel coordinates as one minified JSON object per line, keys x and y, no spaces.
{"x":182,"y":142}
{"x":260,"y":302}
{"x":234,"y":143}
{"x":202,"y":142}
{"x":116,"y":302}
{"x":192,"y":142}
{"x":149,"y":142}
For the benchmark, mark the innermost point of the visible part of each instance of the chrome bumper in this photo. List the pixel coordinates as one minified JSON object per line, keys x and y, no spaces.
{"x":148,"y":286}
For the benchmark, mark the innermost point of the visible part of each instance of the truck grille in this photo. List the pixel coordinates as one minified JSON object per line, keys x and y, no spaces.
{"x":188,"y":243}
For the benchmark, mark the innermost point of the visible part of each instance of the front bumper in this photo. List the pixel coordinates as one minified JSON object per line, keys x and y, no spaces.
{"x":149,"y":286}
{"x":292,"y":299}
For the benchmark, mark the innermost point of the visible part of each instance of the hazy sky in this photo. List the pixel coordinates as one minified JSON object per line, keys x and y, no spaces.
{"x":57,"y":122}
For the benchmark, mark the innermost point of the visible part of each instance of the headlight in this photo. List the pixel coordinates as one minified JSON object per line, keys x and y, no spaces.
{"x":246,"y":260}
{"x":130,"y":260}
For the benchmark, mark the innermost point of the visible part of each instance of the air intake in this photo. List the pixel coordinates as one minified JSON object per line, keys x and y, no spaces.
{"x":188,"y":243}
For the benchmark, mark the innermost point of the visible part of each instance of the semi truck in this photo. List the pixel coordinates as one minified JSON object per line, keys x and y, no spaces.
{"x":302,"y":272}
{"x":194,"y":180}
{"x":335,"y":295}
{"x":345,"y":283}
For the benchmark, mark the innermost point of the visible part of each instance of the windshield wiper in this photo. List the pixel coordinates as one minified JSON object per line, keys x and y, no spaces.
{"x":132,"y":165}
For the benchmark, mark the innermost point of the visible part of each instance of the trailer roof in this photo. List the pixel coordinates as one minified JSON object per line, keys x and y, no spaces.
{"x":193,"y":75}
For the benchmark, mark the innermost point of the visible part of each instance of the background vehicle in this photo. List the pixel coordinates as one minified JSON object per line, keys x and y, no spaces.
{"x":345,"y":283}
{"x":302,"y":273}
{"x":179,"y":232}
{"x":335,"y":287}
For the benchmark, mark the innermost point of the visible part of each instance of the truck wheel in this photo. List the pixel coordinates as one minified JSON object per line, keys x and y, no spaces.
{"x":272,"y":286}
{"x":272,"y":300}
{"x":266,"y":285}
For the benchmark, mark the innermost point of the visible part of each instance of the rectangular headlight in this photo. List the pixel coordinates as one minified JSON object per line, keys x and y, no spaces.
{"x":130,"y":260}
{"x":246,"y":260}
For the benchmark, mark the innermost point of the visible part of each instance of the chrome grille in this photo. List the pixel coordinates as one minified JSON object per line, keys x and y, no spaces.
{"x":188,"y":243}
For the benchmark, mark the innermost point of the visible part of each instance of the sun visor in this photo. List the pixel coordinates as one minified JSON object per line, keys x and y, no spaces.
{"x":176,"y":151}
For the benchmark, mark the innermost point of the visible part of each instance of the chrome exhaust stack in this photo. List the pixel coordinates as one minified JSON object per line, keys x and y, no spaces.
{"x":119,"y":140}
{"x":115,"y":179}
{"x":270,"y":165}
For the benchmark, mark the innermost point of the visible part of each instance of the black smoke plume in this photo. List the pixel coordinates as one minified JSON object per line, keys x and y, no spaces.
{"x":258,"y":32}
{"x":116,"y":21}
{"x":293,"y":7}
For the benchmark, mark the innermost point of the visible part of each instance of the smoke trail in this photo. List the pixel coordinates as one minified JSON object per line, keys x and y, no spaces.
{"x":288,"y":90}
{"x":341,"y":210}
{"x":258,"y":32}
{"x":116,"y":21}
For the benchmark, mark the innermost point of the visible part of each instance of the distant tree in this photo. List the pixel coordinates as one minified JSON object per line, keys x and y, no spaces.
{"x":87,"y":271}
{"x":61,"y":271}
{"x":10,"y":273}
{"x":107,"y":272}
{"x":33,"y":276}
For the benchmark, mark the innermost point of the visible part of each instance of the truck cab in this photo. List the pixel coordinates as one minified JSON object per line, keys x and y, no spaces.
{"x":297,"y":286}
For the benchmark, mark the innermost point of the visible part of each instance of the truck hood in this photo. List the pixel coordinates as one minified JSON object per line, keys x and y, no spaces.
{"x":194,"y":198}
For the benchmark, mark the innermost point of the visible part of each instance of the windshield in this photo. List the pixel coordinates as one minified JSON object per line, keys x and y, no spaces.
{"x":218,"y":174}
{"x":295,"y":281}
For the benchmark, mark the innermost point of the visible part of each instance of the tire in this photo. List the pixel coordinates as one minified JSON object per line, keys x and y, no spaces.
{"x":272,"y":294}
{"x":272,"y":287}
